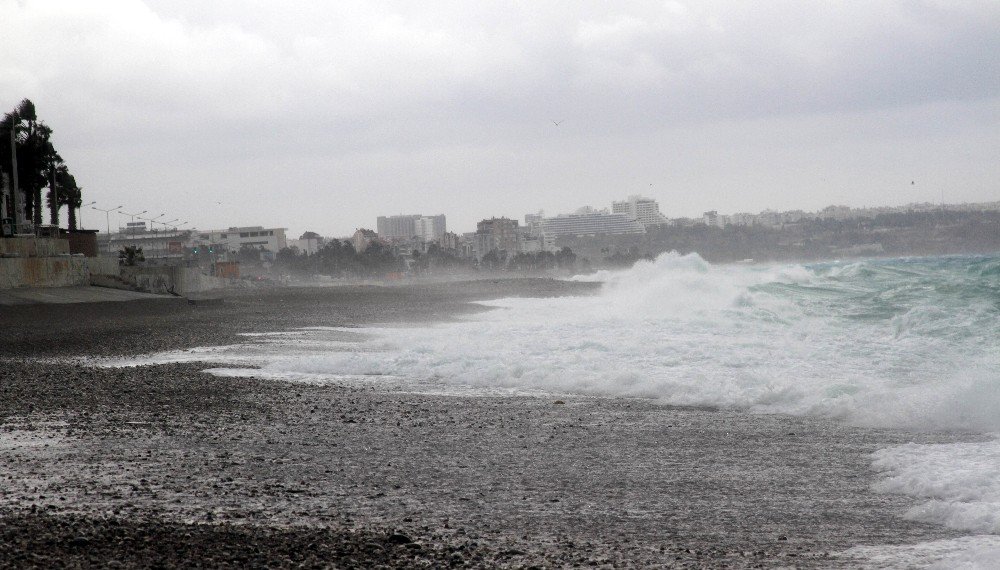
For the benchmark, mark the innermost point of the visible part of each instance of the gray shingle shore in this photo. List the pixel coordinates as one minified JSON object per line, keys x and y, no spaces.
{"x":169,"y":466}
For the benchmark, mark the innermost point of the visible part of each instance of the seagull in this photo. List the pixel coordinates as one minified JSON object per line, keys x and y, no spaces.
{"x":556,"y":123}
{"x":912,"y":182}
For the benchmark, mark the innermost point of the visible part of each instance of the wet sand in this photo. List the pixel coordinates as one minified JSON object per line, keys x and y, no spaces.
{"x":168,"y":465}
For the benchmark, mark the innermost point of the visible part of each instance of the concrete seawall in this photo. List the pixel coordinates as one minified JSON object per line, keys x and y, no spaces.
{"x":34,"y":262}
{"x":29,"y":261}
{"x":172,"y":280}
{"x":64,"y":271}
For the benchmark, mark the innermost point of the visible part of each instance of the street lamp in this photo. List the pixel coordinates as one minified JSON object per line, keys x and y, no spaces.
{"x":107,"y":216}
{"x":152,"y":226}
{"x":131,"y":228}
{"x":79,"y":210}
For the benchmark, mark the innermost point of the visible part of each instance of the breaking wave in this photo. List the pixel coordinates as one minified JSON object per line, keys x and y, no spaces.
{"x":908,"y":343}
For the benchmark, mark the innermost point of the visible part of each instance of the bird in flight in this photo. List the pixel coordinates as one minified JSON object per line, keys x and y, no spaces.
{"x":557,"y":123}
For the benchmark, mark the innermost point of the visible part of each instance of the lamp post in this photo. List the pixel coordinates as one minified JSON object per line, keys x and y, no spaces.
{"x":107,"y":219}
{"x":152,"y":226}
{"x":131,"y":229}
{"x":166,"y":236}
{"x":79,"y":211}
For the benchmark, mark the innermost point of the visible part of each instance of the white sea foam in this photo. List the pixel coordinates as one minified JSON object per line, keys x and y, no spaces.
{"x":880,"y":345}
{"x":967,"y":553}
{"x":775,"y":339}
{"x":959,"y":483}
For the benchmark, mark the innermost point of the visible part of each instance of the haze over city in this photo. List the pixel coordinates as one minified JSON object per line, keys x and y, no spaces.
{"x":324,"y":116}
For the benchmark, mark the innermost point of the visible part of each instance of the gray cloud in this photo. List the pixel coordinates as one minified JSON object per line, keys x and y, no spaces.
{"x":321,"y":117}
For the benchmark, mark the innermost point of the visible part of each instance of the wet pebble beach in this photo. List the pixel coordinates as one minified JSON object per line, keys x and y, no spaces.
{"x":169,"y":466}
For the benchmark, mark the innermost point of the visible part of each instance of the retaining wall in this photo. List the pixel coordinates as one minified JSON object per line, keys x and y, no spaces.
{"x":170,"y":280}
{"x":62,"y":271}
{"x":31,"y":246}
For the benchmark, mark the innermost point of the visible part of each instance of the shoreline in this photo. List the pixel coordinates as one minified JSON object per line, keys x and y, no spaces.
{"x":622,"y":476}
{"x":279,"y":474}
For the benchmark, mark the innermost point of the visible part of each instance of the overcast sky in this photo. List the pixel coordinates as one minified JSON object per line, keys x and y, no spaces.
{"x":317,"y":115}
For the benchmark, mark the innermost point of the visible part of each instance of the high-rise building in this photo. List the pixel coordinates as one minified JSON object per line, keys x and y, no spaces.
{"x":397,"y":227}
{"x":590,"y":224}
{"x":403,"y":227}
{"x":430,"y":228}
{"x":644,"y":210}
{"x":500,"y":234}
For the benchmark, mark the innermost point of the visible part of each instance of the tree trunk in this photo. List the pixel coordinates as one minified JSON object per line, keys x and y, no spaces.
{"x":53,"y":198}
{"x":71,"y":214}
{"x":36,"y":217}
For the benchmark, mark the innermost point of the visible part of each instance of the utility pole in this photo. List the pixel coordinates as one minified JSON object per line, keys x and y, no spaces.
{"x":107,"y":218}
{"x":156,"y":235}
{"x":131,"y":228}
{"x":79,"y":212}
{"x":54,"y":206}
{"x":13,"y":177}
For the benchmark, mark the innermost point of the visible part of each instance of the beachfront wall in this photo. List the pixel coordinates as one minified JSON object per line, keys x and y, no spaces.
{"x":31,"y":246}
{"x":172,"y":280}
{"x":66,"y":271}
{"x":31,"y":261}
{"x":46,"y":262}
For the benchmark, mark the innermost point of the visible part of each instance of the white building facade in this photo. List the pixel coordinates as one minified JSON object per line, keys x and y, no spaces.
{"x":405,"y":227}
{"x":430,"y":228}
{"x":644,"y":210}
{"x":236,"y":238}
{"x":590,"y":224}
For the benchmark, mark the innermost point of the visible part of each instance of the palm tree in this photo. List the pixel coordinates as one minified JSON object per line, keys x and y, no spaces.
{"x":63,"y":186}
{"x":35,"y":155}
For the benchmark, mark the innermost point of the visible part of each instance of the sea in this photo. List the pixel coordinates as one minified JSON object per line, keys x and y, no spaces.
{"x":909,"y":343}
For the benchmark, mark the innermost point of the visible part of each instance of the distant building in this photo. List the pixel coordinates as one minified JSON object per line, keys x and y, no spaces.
{"x":594,"y":223}
{"x":397,"y":227}
{"x":309,"y":243}
{"x":404,"y":227}
{"x":839,"y":213}
{"x":236,"y":238}
{"x":533,"y":223}
{"x":533,"y":240}
{"x":497,"y":234}
{"x":362,"y":238}
{"x":467,"y":245}
{"x":450,"y":241}
{"x":163,"y":245}
{"x":712,"y":219}
{"x":644,"y":210}
{"x":742,"y":219}
{"x":430,"y":228}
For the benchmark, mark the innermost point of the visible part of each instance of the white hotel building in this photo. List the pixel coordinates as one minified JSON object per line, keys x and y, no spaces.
{"x":646,"y":211}
{"x":234,"y":239}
